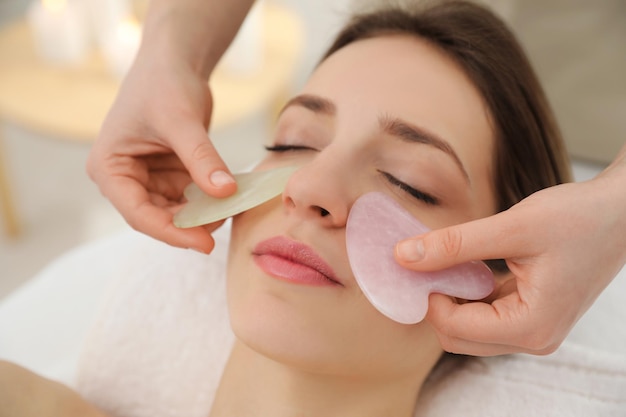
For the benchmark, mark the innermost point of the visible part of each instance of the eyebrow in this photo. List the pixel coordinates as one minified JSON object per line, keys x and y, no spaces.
{"x":393,"y":126}
{"x":314,"y":103}
{"x":410,"y":133}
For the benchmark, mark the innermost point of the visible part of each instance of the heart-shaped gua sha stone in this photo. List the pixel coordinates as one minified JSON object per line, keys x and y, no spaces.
{"x":375,"y":225}
{"x":253,"y":188}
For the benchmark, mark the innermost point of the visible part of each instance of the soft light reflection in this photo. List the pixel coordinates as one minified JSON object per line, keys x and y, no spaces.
{"x":129,"y":31}
{"x":54,"y":5}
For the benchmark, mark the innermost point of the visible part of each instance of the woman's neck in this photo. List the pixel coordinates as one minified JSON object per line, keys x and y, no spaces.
{"x":254,"y":385}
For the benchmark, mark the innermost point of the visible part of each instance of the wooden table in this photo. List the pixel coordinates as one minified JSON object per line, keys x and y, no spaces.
{"x":71,"y":103}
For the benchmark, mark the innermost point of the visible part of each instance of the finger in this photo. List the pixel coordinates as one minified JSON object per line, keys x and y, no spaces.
{"x":169,"y":184}
{"x":133,"y":202}
{"x":164,"y":162}
{"x":478,"y":328}
{"x":503,"y":235}
{"x":453,"y":344}
{"x":465,"y":347}
{"x":469,"y":347}
{"x":211,"y":227}
{"x":158,"y":222}
{"x":206,"y":167}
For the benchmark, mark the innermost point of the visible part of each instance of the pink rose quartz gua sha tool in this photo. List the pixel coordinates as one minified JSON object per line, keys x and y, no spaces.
{"x":376,"y":223}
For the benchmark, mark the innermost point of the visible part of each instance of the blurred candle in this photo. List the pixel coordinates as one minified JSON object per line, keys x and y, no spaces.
{"x":59,"y":30}
{"x":121,"y":47}
{"x":104,"y":16}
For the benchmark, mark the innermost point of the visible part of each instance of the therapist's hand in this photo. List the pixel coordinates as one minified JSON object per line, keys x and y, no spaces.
{"x":563,"y":246}
{"x":153,"y":143}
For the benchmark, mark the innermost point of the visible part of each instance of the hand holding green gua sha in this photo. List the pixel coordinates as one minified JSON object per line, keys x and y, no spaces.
{"x":253,"y":189}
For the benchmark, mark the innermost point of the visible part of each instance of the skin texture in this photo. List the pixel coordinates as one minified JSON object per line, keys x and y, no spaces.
{"x":306,"y":350}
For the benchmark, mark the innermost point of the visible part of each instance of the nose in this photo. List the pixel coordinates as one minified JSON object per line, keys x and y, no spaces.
{"x":319,"y":192}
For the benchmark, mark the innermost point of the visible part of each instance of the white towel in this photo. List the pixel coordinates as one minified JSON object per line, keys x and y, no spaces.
{"x":574,"y":381}
{"x":162,"y":336}
{"x":162,"y":340}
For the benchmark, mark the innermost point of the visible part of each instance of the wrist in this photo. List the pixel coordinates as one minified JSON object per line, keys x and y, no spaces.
{"x":192,"y":33}
{"x":611,"y":188}
{"x":164,"y":42}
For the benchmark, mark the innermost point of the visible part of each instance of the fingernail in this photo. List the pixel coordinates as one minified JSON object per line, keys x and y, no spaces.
{"x":221,"y":178}
{"x":411,"y":250}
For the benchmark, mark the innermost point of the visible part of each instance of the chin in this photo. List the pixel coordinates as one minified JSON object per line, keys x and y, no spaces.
{"x":280,"y":329}
{"x":290,"y":323}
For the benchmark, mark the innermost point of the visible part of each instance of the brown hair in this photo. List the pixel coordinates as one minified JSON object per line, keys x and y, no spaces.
{"x":529,"y":151}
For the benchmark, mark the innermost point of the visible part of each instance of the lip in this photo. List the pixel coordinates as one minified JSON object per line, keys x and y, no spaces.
{"x":292,"y":261}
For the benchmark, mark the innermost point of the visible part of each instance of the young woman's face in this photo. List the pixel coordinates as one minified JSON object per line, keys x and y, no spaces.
{"x":389,"y":114}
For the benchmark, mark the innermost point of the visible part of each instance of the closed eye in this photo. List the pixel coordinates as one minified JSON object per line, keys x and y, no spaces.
{"x":287,"y":148}
{"x":426,"y":198}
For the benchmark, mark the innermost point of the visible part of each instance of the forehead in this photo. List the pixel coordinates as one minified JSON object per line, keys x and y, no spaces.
{"x":407,"y":77}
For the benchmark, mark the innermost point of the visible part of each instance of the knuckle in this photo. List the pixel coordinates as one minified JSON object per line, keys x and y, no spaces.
{"x":551,"y":348}
{"x":450,"y":347}
{"x":445,"y":335}
{"x":447,"y":343}
{"x":203,"y":151}
{"x":134,"y":223}
{"x":135,"y":218}
{"x":451,"y":243}
{"x":540,"y":343}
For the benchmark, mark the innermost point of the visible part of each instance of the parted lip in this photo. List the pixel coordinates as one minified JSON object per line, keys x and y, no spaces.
{"x":296,"y":252}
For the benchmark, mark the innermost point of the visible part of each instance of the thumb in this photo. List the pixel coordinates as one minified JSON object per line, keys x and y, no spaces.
{"x":499,"y":236}
{"x":206,"y":167}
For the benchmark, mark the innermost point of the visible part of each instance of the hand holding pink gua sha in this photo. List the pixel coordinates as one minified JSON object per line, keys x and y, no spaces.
{"x":375,"y":224}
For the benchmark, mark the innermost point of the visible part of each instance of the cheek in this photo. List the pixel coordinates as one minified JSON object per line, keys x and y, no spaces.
{"x":323,"y":331}
{"x":246,"y":230}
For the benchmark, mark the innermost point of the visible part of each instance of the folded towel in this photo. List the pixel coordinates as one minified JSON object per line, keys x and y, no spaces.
{"x":574,"y":381}
{"x":162,"y":338}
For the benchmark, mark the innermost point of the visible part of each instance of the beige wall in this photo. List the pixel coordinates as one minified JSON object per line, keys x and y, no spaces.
{"x":578,"y":48}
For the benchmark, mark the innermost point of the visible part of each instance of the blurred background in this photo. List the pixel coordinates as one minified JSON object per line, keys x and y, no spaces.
{"x":53,"y":97}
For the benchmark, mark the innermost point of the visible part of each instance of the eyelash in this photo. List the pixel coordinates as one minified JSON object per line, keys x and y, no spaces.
{"x":287,"y":148}
{"x":426,"y":198}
